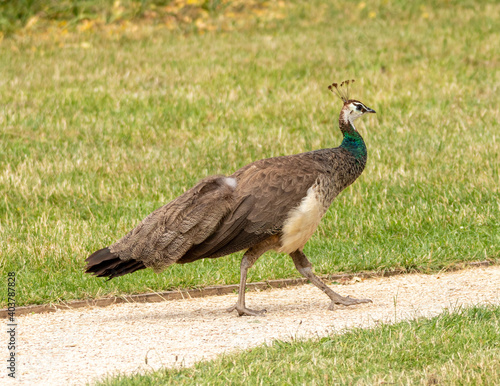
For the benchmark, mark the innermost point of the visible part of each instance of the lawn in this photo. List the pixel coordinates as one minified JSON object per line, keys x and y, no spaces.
{"x":454,"y":348}
{"x":100,"y":125}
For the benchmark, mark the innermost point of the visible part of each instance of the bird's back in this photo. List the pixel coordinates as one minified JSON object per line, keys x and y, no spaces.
{"x":269,"y":192}
{"x":222,"y":215}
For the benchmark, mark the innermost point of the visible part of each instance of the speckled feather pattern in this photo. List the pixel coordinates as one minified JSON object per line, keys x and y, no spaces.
{"x":214,"y":219}
{"x":222,"y":215}
{"x":169,"y":232}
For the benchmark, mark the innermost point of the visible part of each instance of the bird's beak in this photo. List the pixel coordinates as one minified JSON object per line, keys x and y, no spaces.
{"x":370,"y":110}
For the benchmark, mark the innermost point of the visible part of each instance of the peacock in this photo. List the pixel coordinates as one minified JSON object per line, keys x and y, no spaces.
{"x":271,"y":204}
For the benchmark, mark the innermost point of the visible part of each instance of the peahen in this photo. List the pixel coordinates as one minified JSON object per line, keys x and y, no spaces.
{"x":271,"y":204}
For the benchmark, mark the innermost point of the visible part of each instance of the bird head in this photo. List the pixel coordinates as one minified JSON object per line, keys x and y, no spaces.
{"x":352,"y":109}
{"x":356,"y":109}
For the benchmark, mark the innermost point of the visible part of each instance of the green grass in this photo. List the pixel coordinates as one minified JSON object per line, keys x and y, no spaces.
{"x":98,"y":129}
{"x":454,"y":348}
{"x":28,"y":17}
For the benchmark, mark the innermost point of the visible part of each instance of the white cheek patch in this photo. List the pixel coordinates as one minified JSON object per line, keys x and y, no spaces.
{"x":352,"y":118}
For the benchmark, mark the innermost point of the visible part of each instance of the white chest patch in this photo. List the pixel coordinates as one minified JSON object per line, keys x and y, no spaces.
{"x":301,"y":223}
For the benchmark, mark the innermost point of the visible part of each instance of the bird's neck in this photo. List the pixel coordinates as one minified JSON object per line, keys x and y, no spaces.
{"x":353,"y":141}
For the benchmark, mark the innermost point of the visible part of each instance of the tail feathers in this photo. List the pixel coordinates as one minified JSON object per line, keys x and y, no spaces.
{"x":103,"y":263}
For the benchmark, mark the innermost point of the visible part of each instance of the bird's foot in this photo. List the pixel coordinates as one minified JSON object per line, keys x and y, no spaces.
{"x":243,"y":311}
{"x":347,"y":301}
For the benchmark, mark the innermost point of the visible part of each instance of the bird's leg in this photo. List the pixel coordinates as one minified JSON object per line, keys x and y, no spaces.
{"x":249,"y":258}
{"x":304,"y":267}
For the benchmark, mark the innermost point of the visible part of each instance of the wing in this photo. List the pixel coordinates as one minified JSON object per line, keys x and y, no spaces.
{"x":166,"y":234}
{"x":222,"y":215}
{"x":266,"y":192}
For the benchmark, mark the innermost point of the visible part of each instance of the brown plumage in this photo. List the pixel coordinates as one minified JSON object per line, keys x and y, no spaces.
{"x":271,"y":204}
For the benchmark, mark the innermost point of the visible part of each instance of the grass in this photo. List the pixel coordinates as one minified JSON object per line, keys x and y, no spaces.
{"x":23,"y":17}
{"x":100,"y":127}
{"x":454,"y":348}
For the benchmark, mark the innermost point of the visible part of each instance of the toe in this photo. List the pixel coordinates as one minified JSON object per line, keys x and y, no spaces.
{"x":249,"y":312}
{"x":243,"y":311}
{"x":348,"y":301}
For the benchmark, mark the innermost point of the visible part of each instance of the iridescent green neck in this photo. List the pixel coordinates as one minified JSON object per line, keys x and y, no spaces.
{"x":354,"y":143}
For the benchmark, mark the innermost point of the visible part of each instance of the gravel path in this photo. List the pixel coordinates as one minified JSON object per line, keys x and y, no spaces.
{"x":79,"y":346}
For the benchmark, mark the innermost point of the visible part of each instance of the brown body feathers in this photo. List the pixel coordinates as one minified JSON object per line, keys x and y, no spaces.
{"x":274,"y":203}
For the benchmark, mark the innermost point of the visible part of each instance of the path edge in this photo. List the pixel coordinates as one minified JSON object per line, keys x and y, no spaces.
{"x":154,"y":297}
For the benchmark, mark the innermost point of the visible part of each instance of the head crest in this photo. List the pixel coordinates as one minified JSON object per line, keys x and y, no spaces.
{"x":341,"y":91}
